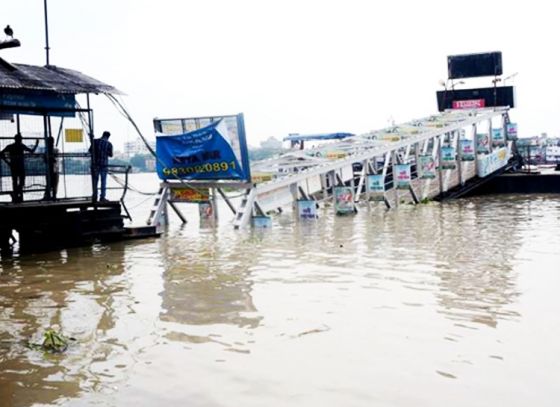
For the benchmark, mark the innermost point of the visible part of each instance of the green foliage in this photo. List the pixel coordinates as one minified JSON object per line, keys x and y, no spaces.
{"x":54,"y":341}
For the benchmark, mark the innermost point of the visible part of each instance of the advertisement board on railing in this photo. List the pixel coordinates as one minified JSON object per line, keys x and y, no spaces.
{"x":511,"y":131}
{"x":204,"y":148}
{"x":376,"y":186}
{"x":448,"y":161}
{"x":482,"y":143}
{"x":489,"y":163}
{"x":497,"y":137}
{"x":426,"y":166}
{"x":467,"y":149}
{"x":402,"y":176}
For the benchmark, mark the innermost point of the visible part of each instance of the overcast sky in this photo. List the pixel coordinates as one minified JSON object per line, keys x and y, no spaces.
{"x":291,"y":66}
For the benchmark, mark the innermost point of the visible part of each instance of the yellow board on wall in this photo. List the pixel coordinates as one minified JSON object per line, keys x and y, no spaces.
{"x":73,"y":135}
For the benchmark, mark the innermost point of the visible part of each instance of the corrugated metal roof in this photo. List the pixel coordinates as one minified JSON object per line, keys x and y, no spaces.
{"x":49,"y":78}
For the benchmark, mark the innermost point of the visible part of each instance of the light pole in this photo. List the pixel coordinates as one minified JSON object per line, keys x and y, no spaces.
{"x":513,"y":75}
{"x":47,"y":48}
{"x":453,"y":84}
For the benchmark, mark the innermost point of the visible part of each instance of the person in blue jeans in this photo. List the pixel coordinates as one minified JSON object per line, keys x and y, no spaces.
{"x":101,"y":149}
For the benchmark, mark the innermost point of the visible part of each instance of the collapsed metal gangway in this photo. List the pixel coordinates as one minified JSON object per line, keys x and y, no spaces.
{"x":313,"y":174}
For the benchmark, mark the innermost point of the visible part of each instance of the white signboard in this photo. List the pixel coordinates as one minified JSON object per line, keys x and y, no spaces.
{"x":489,"y":163}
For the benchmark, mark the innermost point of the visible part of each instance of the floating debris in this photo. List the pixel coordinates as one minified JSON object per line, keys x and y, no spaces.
{"x":445,"y":374}
{"x":53,"y":342}
{"x":323,"y":328}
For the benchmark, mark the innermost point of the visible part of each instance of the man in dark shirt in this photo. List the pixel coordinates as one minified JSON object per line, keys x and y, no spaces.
{"x":102,"y":150}
{"x":13,"y":154}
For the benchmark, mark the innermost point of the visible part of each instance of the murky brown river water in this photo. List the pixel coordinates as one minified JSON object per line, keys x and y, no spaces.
{"x":435,"y":305}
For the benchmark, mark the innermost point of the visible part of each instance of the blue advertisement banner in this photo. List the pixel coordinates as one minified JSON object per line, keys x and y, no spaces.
{"x":203,"y":154}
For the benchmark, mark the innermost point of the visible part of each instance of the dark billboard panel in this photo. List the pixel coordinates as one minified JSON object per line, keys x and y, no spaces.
{"x":474,"y":65}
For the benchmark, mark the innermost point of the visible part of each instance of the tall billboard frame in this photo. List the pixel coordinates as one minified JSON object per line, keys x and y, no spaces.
{"x":236,"y":133}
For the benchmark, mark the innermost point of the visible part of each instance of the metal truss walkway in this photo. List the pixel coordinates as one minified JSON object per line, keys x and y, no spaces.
{"x":313,"y":174}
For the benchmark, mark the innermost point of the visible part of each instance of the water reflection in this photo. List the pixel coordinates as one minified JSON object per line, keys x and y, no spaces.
{"x":207,"y":281}
{"x":478,"y":245}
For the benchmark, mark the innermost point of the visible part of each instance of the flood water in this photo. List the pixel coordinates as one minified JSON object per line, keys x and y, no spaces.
{"x":436,"y":305}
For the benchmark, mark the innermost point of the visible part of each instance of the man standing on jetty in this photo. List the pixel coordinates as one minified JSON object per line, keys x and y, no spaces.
{"x":102,"y":149}
{"x":16,"y":161}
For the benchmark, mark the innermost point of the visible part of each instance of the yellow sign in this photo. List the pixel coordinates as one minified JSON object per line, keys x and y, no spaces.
{"x":73,"y":135}
{"x":189,"y":195}
{"x":335,"y":155}
{"x":258,"y":177}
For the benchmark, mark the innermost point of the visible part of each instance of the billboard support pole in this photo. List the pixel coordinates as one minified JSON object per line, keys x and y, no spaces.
{"x":177,"y":211}
{"x":228,"y":202}
{"x":215,"y":204}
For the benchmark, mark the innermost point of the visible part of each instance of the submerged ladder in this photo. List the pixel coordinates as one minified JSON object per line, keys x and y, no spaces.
{"x":245,"y":209}
{"x":158,"y":213}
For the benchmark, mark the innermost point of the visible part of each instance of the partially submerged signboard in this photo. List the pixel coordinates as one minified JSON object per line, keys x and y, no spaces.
{"x":206,"y":148}
{"x":307,"y":209}
{"x":344,"y":200}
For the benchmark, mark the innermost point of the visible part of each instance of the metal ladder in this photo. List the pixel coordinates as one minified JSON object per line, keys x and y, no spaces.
{"x":158,"y":213}
{"x":245,"y":209}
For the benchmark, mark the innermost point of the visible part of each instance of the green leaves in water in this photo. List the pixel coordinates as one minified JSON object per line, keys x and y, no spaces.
{"x":53,"y":342}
